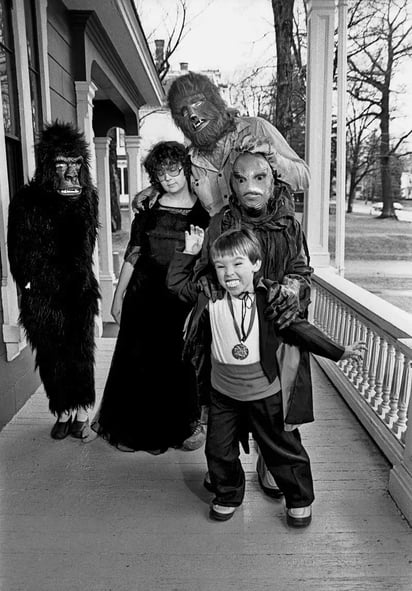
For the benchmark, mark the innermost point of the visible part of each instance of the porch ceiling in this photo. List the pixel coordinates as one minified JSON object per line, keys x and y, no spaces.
{"x":121,"y":22}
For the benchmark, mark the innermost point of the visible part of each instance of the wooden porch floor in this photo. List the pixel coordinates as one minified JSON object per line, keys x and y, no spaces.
{"x":80,"y":516}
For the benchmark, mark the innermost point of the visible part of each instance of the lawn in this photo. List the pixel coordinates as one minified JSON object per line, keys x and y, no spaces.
{"x":367,"y":237}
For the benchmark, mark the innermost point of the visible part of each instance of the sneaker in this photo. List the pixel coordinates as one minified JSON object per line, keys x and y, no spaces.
{"x":221,"y":513}
{"x":196,"y":439}
{"x":299,"y":516}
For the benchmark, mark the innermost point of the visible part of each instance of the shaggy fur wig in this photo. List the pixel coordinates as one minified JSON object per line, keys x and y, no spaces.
{"x":162,"y":154}
{"x":51,"y":239}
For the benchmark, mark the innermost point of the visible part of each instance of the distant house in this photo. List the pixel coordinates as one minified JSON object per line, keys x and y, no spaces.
{"x":406,"y":185}
{"x":81,"y":61}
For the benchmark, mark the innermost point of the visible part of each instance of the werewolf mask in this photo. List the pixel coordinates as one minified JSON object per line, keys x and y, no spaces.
{"x":198,"y":110}
{"x":63,"y":161}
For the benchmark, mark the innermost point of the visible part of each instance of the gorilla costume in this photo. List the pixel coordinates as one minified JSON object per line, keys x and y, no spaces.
{"x":52,"y":231}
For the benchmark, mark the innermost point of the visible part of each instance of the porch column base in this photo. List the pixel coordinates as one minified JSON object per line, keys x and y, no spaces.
{"x":400,"y":489}
{"x":319,"y":259}
{"x":107,"y":291}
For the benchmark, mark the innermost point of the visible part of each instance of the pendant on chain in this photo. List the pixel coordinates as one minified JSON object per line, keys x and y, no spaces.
{"x":240,"y":351}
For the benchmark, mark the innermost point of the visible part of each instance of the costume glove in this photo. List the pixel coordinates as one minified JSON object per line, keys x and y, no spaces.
{"x":212,"y":290}
{"x":283,"y":302}
{"x":145,"y":199}
{"x":261,"y":145}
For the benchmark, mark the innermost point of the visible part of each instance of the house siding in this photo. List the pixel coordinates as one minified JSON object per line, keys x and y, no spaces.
{"x":62,"y":89}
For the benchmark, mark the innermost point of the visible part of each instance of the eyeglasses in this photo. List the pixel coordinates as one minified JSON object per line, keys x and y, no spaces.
{"x":172,"y":170}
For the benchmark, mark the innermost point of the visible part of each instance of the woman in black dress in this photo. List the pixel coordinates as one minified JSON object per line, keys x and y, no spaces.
{"x":150,"y":398}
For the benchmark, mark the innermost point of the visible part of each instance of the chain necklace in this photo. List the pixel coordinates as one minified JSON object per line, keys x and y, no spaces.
{"x":240,"y":351}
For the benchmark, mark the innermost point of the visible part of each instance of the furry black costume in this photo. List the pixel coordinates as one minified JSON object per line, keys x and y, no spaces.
{"x":52,"y":230}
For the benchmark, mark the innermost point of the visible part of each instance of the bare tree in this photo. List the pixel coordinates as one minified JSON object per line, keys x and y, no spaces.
{"x":283,"y":19}
{"x":176,"y":35}
{"x":289,"y":84}
{"x":362,"y":146}
{"x":380,"y":40}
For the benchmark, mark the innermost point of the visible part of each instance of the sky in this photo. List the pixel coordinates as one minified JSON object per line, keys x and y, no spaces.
{"x":229,"y":35}
{"x":234,"y":36}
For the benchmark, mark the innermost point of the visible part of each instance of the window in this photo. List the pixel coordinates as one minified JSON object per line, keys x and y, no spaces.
{"x":34,"y":68}
{"x":10,"y":99}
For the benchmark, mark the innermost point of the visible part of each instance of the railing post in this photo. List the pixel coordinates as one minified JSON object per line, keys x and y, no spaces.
{"x":400,"y":477}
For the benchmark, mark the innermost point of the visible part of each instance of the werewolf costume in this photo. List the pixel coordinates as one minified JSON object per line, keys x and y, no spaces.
{"x":52,"y":230}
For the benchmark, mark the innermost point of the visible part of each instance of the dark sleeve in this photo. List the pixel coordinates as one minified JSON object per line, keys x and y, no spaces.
{"x":298,"y":267}
{"x":19,"y":240}
{"x":307,"y":336}
{"x":136,"y":237}
{"x":298,"y":263}
{"x":179,"y":277}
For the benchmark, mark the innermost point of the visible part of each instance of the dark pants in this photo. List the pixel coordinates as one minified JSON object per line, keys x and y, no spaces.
{"x":282,"y":451}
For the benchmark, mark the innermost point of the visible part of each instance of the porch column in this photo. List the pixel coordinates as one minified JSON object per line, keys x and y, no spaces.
{"x":85,"y":92}
{"x":106,"y":274}
{"x":400,"y":477}
{"x":321,"y":17}
{"x":134,"y":170}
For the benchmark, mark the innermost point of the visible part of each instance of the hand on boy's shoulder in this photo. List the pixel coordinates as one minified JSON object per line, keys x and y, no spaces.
{"x":282,"y":303}
{"x":144,"y":200}
{"x":212,"y":290}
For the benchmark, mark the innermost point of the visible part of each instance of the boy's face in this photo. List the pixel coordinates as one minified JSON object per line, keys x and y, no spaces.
{"x":252,"y":181}
{"x":235,"y":273}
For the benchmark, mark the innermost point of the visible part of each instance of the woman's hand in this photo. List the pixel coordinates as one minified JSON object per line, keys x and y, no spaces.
{"x":194,"y":240}
{"x":116,"y":310}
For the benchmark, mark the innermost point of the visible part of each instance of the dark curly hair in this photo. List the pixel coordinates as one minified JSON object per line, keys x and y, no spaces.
{"x":165,"y":153}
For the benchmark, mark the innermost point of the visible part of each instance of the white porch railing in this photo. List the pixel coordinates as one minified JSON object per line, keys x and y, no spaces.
{"x":378,"y":389}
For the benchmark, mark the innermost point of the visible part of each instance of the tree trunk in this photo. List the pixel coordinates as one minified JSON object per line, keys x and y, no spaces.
{"x":351,"y":192}
{"x":387,"y":197}
{"x":283,"y":18}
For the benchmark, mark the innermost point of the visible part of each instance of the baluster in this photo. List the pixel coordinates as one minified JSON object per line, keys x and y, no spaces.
{"x":316,"y":305}
{"x":347,"y":364}
{"x":363,"y":386}
{"x":350,"y":338}
{"x":333,"y":319}
{"x":319,"y":314}
{"x":324,"y":309}
{"x":400,"y":424}
{"x":370,"y":391}
{"x":327,"y":314}
{"x":336,"y":326}
{"x":383,"y":408}
{"x":380,"y":372}
{"x":361,"y":366}
{"x":355,"y":336}
{"x":394,"y":393}
{"x":341,"y":332}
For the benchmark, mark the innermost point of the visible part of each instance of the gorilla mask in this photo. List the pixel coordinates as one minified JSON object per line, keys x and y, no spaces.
{"x":63,"y":160}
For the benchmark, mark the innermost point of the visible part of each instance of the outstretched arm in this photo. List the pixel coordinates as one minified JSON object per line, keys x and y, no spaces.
{"x":306,"y":335}
{"x":124,"y":279}
{"x":180,"y":278}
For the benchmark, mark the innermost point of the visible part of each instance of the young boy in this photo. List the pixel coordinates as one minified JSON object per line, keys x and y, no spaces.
{"x":255,"y":378}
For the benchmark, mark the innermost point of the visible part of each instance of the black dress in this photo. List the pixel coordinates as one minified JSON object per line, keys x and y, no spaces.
{"x":150,"y":397}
